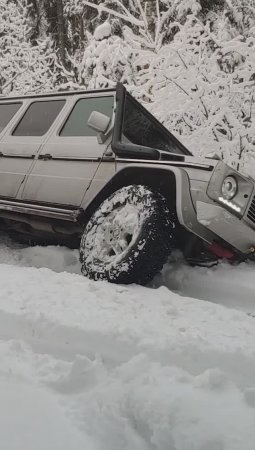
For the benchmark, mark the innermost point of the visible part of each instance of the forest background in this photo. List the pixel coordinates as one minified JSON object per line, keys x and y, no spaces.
{"x":190,"y":62}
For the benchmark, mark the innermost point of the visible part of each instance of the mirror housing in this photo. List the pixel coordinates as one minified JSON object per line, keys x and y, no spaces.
{"x":213,"y":155}
{"x":98,"y":121}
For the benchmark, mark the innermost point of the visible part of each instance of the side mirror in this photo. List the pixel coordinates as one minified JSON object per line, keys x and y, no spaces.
{"x":98,"y":121}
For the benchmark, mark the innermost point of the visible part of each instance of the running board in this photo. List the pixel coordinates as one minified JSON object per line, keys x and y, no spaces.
{"x":44,"y":211}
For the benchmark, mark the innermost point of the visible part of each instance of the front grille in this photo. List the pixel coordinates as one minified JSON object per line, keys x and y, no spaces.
{"x":251,"y":212}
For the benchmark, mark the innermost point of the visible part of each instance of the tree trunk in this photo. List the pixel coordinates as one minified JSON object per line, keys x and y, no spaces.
{"x":42,"y":19}
{"x":61,"y":31}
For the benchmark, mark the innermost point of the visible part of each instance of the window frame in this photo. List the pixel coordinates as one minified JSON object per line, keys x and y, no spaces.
{"x":135,"y":151}
{"x":75,"y":100}
{"x":11,"y":102}
{"x":24,"y":112}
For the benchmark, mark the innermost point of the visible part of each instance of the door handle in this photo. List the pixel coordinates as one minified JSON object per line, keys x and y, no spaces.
{"x":45,"y":157}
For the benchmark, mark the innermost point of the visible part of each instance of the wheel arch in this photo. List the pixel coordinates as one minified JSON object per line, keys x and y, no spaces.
{"x":172,"y":182}
{"x":161,"y":179}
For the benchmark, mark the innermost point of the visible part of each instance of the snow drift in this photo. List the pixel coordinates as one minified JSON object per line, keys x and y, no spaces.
{"x":98,"y":366}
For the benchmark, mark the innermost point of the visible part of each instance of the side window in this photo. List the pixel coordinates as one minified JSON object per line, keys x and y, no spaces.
{"x":7,"y":111}
{"x":38,"y":118}
{"x":76,"y":124}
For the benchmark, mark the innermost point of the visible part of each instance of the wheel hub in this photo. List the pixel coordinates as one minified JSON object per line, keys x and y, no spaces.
{"x":117,"y":232}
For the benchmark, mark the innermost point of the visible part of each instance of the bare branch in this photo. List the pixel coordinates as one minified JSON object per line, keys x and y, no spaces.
{"x":100,"y":8}
{"x":158,"y":25}
{"x":182,"y":60}
{"x":178,"y":85}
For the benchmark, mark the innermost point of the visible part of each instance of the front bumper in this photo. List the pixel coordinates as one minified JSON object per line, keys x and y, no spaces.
{"x":228,"y":227}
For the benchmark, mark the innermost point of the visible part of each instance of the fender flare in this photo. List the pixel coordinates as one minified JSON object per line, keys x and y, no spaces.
{"x":179,"y":183}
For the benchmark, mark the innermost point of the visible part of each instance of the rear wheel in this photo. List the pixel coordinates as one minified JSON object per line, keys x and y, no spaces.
{"x":129,"y":237}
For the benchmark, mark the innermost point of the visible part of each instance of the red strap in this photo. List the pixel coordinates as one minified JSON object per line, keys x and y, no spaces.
{"x":221,"y":252}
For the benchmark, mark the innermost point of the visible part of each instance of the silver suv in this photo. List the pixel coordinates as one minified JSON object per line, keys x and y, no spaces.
{"x":97,"y":168}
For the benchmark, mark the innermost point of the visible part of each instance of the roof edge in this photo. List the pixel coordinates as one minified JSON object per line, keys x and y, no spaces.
{"x":56,"y":94}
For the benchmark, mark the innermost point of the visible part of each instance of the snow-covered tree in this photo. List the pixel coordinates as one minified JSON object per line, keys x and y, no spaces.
{"x":190,"y":61}
{"x":25,"y":66}
{"x":119,"y":48}
{"x":206,"y":81}
{"x":106,"y":60}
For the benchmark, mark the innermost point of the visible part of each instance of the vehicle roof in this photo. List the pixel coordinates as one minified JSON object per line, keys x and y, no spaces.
{"x":57,"y":93}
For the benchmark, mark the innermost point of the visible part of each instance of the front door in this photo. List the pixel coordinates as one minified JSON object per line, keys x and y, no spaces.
{"x":70,"y":158}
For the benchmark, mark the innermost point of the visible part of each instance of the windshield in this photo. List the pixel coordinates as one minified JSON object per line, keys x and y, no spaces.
{"x":141,"y":128}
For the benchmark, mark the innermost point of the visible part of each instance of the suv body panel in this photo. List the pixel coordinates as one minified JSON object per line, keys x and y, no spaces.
{"x":59,"y":177}
{"x":185,"y":210}
{"x":65,"y":165}
{"x":224,"y":224}
{"x":49,"y":168}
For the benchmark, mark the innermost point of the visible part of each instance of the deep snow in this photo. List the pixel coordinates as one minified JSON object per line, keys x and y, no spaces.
{"x":90,"y":365}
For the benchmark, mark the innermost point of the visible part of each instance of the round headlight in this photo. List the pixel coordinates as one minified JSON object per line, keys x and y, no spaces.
{"x":229,"y":188}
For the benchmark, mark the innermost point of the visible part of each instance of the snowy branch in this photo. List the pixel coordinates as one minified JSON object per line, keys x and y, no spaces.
{"x":128,"y":18}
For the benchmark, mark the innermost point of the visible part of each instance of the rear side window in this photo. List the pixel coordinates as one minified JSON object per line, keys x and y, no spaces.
{"x":76,"y":124}
{"x":7,"y":111}
{"x":38,"y":118}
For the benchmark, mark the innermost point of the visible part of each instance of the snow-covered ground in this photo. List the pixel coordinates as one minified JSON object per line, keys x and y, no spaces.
{"x":90,"y":365}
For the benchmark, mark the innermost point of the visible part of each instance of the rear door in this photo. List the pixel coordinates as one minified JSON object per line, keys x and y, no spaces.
{"x":14,"y":162}
{"x":20,"y":139}
{"x":68,"y":161}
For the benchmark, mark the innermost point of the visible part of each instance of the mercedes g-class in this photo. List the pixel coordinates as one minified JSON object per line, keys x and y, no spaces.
{"x":95,"y":167}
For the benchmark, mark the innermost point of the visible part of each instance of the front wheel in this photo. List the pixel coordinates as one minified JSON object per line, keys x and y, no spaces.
{"x":129,"y":237}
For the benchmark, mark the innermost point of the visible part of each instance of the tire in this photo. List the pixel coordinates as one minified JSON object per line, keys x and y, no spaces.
{"x":129,"y":237}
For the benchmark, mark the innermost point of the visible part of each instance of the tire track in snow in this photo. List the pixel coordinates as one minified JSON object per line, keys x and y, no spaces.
{"x":66,"y":344}
{"x":131,"y":367}
{"x":231,"y":286}
{"x":70,"y":316}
